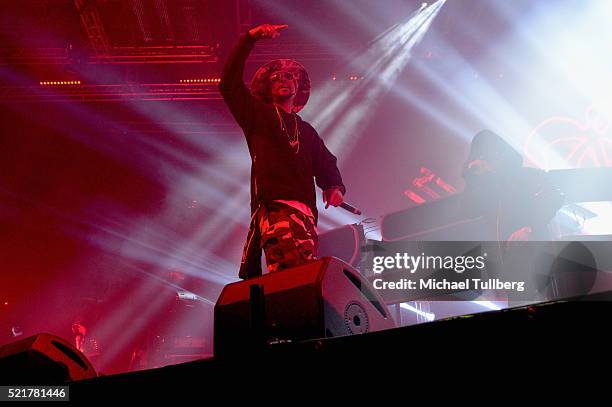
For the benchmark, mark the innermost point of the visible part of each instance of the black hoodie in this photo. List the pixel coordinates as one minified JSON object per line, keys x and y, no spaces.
{"x":277,"y":173}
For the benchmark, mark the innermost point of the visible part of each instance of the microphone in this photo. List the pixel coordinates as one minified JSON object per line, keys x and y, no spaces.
{"x":350,"y":208}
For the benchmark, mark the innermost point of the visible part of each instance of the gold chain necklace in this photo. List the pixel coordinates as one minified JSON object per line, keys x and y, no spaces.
{"x":294,"y":140}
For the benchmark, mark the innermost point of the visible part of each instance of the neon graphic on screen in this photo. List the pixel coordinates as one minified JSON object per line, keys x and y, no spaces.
{"x":564,"y":142}
{"x":430,"y":186}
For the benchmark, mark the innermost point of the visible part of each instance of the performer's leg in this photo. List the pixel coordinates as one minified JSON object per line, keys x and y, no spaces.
{"x":288,"y":237}
{"x":250,"y":266}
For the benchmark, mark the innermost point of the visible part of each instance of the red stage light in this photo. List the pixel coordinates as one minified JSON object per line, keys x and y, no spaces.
{"x":64,"y":83}
{"x":201,"y":80}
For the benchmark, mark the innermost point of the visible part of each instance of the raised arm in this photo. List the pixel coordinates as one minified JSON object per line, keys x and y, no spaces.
{"x":235,"y":93}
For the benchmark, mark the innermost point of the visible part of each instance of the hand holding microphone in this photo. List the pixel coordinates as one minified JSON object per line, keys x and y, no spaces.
{"x":333,"y":196}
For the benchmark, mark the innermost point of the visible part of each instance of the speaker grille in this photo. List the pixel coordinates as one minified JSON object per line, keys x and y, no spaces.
{"x":356,"y":318}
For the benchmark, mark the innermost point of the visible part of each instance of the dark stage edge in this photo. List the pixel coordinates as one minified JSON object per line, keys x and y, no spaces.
{"x":546,"y":336}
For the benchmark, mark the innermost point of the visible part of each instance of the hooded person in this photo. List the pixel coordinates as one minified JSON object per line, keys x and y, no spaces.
{"x":287,"y":157}
{"x":519,"y":200}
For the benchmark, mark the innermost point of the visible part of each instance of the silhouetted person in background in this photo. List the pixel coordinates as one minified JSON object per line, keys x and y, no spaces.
{"x":520,"y":200}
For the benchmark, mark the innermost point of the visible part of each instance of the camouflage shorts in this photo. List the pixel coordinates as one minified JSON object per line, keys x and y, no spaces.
{"x":288,"y":236}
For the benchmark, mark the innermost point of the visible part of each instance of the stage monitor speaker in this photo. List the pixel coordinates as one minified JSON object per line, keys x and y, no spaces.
{"x":43,"y":359}
{"x":344,"y":243}
{"x":324,"y":298}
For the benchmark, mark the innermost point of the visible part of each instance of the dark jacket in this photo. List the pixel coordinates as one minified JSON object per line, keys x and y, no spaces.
{"x":512,"y":196}
{"x":276,"y":172}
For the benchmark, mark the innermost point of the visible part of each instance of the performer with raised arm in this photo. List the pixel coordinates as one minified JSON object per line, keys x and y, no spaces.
{"x":287,"y":157}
